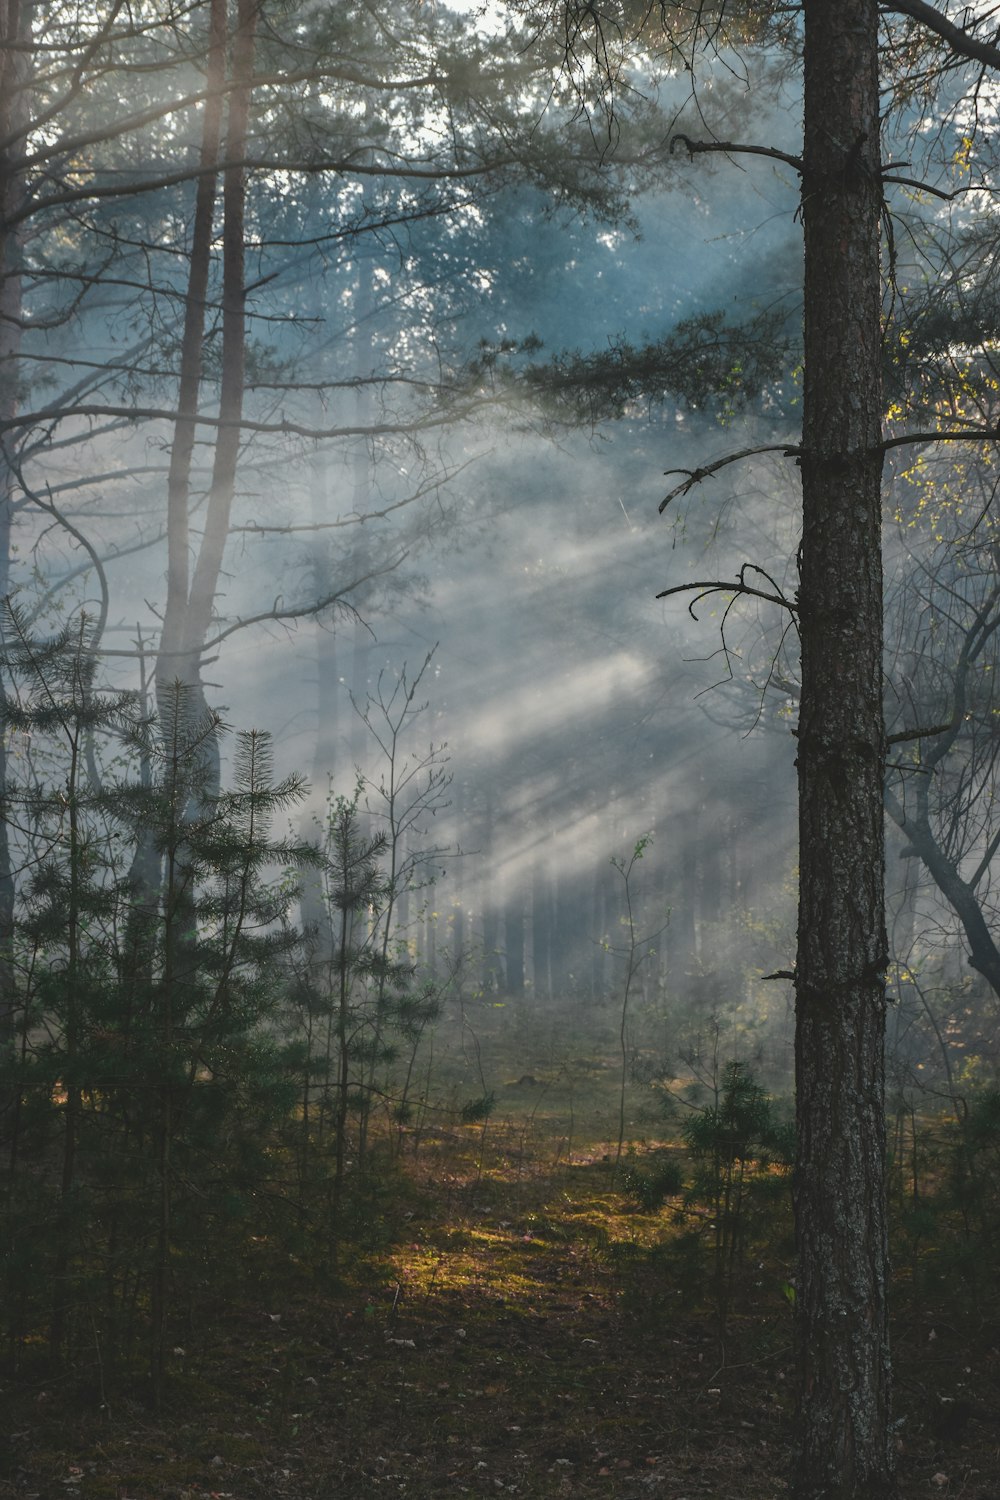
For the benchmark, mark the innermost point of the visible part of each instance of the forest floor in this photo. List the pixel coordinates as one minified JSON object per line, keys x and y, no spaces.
{"x":520,"y":1330}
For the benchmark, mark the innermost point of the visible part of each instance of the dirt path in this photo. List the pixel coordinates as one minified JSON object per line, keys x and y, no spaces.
{"x":516,"y":1341}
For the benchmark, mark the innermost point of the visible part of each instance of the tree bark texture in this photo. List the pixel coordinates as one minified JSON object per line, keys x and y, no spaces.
{"x":844,"y":1377}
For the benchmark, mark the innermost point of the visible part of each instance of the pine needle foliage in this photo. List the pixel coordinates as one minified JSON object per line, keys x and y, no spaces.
{"x":741,"y":1152}
{"x":144,"y":1070}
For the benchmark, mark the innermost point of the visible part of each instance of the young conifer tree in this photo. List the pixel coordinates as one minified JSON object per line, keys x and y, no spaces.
{"x":147,"y":1075}
{"x":213,"y":995}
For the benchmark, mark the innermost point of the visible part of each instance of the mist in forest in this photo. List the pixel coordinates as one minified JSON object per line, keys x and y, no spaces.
{"x":411,"y":494}
{"x":509,"y":560}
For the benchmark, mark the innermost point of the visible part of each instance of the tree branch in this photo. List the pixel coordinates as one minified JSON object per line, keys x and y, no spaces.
{"x":282,"y":428}
{"x":734,"y":148}
{"x":307,"y":165}
{"x":695,"y":476}
{"x":959,"y":435}
{"x":960,"y":894}
{"x":724,"y":586}
{"x":905,"y":735}
{"x":925,"y":187}
{"x":279,"y":613}
{"x":957,"y":37}
{"x":49,"y":506}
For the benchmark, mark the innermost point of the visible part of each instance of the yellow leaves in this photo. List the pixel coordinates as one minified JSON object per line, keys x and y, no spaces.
{"x":962,"y":160}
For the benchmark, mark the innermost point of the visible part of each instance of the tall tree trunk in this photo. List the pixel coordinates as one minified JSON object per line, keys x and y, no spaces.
{"x":187,"y":625}
{"x":16,"y":22}
{"x":15,"y":33}
{"x":844,"y":1377}
{"x":362,"y":492}
{"x":145,"y":873}
{"x":15,"y":65}
{"x":190,"y":604}
{"x":192,"y":343}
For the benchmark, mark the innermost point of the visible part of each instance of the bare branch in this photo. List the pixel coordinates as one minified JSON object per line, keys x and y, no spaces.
{"x":48,"y":505}
{"x":695,"y":476}
{"x":280,"y":612}
{"x":925,"y":187}
{"x":735,"y":148}
{"x":725,"y":586}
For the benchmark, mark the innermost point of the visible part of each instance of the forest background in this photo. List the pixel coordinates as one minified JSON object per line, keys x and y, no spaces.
{"x":343,"y":354}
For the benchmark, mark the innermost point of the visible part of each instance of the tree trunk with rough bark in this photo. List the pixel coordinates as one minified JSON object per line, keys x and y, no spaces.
{"x":844,"y":1451}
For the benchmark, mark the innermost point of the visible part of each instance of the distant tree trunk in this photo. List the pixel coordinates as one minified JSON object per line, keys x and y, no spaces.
{"x":15,"y":36}
{"x":514,"y":942}
{"x":599,"y":931}
{"x":15,"y":66}
{"x":489,"y":896}
{"x":708,"y":851}
{"x":681,"y":939}
{"x":16,"y":23}
{"x":843,"y":1377}
{"x":456,"y":940}
{"x":314,"y":908}
{"x":430,"y":942}
{"x":403,"y":928}
{"x":361,"y":650}
{"x":565,"y":910}
{"x":492,"y":970}
{"x":660,"y":921}
{"x":541,"y":931}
